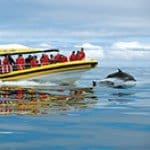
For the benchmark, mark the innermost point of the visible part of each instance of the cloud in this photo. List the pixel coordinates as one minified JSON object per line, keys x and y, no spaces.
{"x":131,"y":50}
{"x":92,"y":51}
{"x":128,"y":55}
{"x":89,"y":46}
{"x":130,"y":45}
{"x":118,"y":51}
{"x":98,"y":18}
{"x":45,"y":45}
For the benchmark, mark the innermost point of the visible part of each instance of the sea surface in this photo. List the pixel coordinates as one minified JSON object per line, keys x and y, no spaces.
{"x":76,"y":117}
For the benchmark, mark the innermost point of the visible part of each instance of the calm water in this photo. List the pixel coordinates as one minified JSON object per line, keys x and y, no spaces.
{"x":47,"y":116}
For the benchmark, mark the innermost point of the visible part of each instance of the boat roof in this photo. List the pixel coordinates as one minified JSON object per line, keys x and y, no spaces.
{"x":15,"y":49}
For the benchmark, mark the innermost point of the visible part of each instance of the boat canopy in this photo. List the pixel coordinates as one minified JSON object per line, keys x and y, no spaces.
{"x":15,"y":49}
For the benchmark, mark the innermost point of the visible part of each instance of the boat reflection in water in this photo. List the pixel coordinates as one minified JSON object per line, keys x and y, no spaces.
{"x":28,"y":101}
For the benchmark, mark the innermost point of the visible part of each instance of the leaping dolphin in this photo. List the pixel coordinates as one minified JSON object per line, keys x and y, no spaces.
{"x":121,"y":75}
{"x":118,"y":79}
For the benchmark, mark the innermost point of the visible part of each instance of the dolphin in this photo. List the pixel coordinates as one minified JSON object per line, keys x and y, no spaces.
{"x":118,"y":79}
{"x":121,"y":75}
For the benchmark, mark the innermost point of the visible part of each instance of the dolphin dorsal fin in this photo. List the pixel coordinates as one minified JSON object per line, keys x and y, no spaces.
{"x":119,"y":70}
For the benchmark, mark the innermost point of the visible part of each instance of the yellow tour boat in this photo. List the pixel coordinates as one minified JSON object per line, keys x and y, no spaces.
{"x":61,"y":72}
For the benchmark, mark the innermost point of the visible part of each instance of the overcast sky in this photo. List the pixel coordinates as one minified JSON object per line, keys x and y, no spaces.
{"x":75,"y":18}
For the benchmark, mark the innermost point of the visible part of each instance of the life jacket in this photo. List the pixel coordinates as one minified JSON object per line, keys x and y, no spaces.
{"x":44,"y":60}
{"x":20,"y":62}
{"x":34,"y":62}
{"x":82,"y":54}
{"x":63,"y":58}
{"x":72,"y":57}
{"x":57,"y":58}
{"x":6,"y":67}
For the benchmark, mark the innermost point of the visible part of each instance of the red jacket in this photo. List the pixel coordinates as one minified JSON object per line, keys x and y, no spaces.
{"x":34,"y":62}
{"x":57,"y":58}
{"x":63,"y":58}
{"x":20,"y":62}
{"x":45,"y":60}
{"x":6,"y":61}
{"x":82,"y":54}
{"x":72,"y":57}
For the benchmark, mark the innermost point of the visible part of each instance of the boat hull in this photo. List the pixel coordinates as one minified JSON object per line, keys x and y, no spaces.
{"x":68,"y":77}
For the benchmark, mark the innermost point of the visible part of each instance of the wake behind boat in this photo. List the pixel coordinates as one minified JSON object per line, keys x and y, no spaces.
{"x":57,"y":71}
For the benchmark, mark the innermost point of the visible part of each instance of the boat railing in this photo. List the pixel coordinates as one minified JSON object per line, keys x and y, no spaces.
{"x":9,"y":68}
{"x":6,"y":68}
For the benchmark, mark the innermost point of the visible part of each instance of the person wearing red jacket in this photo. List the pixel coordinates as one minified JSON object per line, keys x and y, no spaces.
{"x":44,"y":60}
{"x":34,"y":62}
{"x":20,"y":62}
{"x":73,"y":56}
{"x":0,"y":66}
{"x":63,"y":58}
{"x":80,"y":54}
{"x":52,"y":60}
{"x":57,"y":58}
{"x":6,"y":64}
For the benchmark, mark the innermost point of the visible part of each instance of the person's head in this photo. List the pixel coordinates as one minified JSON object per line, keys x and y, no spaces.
{"x":51,"y":56}
{"x":35,"y":56}
{"x":30,"y":56}
{"x":82,"y":49}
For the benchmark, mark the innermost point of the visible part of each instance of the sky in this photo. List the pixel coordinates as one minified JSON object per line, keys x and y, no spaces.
{"x":108,"y":29}
{"x":74,"y":18}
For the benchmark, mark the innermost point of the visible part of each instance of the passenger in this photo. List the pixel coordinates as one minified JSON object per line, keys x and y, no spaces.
{"x":20,"y":62}
{"x":44,"y":60}
{"x":72,"y":56}
{"x":12,"y":63}
{"x":36,"y":58}
{"x":80,"y":54}
{"x":11,"y":60}
{"x":6,"y":64}
{"x":52,"y":60}
{"x":0,"y":66}
{"x":28,"y":61}
{"x":63,"y":58}
{"x":57,"y":57}
{"x":34,"y":62}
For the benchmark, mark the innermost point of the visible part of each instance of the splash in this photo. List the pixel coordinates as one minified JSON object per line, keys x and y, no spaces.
{"x":116,"y":83}
{"x":25,"y":83}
